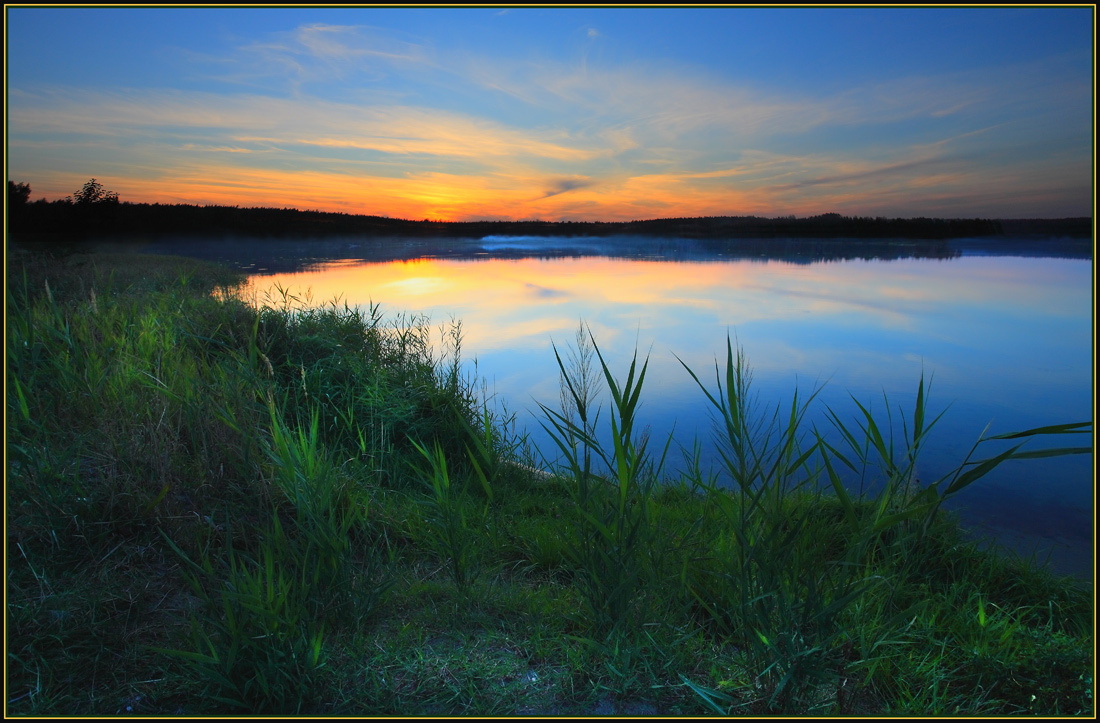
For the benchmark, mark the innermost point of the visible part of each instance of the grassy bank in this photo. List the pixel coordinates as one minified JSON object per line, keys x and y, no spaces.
{"x":222,"y":506}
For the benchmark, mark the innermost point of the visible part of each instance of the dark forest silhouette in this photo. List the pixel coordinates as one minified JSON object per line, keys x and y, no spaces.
{"x":94,"y":211}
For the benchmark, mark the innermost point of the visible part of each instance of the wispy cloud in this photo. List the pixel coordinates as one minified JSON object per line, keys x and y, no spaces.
{"x":562,"y":185}
{"x":387,"y":129}
{"x":320,"y":53}
{"x":355,"y":117}
{"x":871,"y":174}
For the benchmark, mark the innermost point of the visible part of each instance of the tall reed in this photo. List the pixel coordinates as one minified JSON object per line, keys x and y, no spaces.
{"x":786,"y":580}
{"x":614,"y":531}
{"x":769,"y":587}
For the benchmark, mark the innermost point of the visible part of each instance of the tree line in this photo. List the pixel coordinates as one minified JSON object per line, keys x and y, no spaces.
{"x":93,"y":211}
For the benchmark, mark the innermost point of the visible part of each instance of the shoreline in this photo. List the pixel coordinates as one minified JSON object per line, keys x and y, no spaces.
{"x":125,"y":219}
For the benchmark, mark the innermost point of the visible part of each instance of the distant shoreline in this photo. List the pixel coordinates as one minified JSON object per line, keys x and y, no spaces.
{"x":128,"y":219}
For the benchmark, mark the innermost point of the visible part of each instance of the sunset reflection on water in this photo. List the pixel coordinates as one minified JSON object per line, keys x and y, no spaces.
{"x":1004,"y":340}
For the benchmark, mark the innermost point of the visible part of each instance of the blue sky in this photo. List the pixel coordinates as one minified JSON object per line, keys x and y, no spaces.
{"x":560,"y":113}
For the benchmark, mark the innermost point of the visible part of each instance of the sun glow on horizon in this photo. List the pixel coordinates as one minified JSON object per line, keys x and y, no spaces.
{"x":458,"y":115}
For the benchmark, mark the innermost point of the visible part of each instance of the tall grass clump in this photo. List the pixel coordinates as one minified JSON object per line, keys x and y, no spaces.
{"x":450,"y":532}
{"x":901,"y":530}
{"x":773,"y":585}
{"x":325,"y":503}
{"x":376,"y":384}
{"x":614,"y":531}
{"x":257,"y":641}
{"x":797,"y":574}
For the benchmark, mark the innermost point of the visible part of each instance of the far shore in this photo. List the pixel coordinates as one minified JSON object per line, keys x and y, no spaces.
{"x":59,"y":218}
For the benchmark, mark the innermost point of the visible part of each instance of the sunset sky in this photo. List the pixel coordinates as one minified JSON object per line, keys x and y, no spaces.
{"x":560,"y":114}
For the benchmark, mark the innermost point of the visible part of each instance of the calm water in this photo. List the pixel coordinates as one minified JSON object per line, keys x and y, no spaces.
{"x":1006,"y":340}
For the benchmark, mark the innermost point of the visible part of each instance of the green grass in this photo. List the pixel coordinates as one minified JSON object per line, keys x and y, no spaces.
{"x":218,"y":505}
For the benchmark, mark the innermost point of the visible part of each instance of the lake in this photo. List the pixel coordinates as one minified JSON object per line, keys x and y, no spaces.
{"x":1004,"y":333}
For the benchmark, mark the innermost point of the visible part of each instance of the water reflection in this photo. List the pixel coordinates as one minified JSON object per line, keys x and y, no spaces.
{"x":1007,"y":341}
{"x":283,"y":255}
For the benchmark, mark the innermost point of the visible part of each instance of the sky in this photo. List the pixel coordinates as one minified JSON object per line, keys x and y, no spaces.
{"x":560,"y":113}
